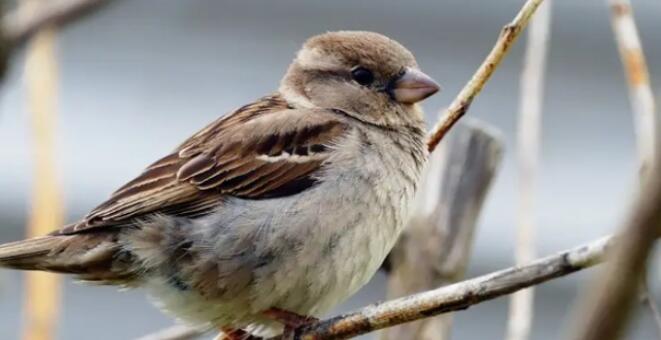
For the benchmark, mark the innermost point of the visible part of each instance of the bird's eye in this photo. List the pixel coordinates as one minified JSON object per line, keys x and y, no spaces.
{"x":362,"y":76}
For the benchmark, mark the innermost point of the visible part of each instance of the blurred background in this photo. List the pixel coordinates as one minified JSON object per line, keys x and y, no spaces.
{"x":139,"y":76}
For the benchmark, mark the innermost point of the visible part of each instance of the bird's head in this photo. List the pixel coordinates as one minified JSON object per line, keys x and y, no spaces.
{"x":365,"y":74}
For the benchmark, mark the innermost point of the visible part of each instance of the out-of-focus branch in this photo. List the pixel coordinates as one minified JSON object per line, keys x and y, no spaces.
{"x":18,"y":26}
{"x":607,"y":308}
{"x":458,"y":296}
{"x":640,"y":90}
{"x":42,"y":293}
{"x":435,"y":248}
{"x":462,"y":102}
{"x":531,"y":95}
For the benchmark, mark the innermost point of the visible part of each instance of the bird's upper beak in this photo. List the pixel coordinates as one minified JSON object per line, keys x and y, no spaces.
{"x":413,"y":86}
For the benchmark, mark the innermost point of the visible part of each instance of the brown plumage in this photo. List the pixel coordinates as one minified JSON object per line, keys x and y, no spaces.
{"x":243,"y":154}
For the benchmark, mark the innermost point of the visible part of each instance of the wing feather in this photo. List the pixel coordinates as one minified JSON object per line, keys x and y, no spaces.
{"x":263,"y":150}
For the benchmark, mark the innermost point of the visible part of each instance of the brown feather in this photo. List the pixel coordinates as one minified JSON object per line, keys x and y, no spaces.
{"x":262,"y":150}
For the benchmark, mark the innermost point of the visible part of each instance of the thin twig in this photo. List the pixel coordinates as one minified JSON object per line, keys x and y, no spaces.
{"x":42,"y":293}
{"x":462,"y":102}
{"x":458,"y":296}
{"x":530,"y":116}
{"x":19,"y":25}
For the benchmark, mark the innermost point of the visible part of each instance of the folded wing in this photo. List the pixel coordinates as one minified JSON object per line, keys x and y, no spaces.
{"x":262,"y":150}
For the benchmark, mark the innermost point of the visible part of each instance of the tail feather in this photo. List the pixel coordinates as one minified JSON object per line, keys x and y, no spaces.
{"x":28,"y":254}
{"x":93,"y":256}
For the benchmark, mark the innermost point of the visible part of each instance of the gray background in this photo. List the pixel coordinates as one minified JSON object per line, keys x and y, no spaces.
{"x":142,"y":75}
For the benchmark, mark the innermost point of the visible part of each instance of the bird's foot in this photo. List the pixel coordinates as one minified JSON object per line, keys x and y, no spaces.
{"x":290,"y":320}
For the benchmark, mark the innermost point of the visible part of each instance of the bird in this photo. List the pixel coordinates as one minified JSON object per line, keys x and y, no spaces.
{"x":274,"y":213}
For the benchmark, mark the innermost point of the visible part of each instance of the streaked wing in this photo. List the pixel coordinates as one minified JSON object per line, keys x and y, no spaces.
{"x":263,"y":150}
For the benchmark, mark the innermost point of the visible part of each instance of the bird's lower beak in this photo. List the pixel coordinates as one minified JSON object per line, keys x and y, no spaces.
{"x":413,"y":86}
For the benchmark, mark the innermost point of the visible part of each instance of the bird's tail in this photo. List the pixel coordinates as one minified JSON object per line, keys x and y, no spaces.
{"x":93,"y":256}
{"x":28,"y":254}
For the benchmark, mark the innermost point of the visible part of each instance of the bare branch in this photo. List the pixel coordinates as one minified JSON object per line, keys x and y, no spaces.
{"x":458,"y":296}
{"x":462,"y":102}
{"x":640,"y":90}
{"x":530,"y":117}
{"x":18,"y":26}
{"x":436,"y":245}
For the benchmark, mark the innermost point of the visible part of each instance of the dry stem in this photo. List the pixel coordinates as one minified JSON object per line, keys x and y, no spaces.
{"x":42,"y":293}
{"x":640,"y":90}
{"x":530,"y":116}
{"x":462,"y":102}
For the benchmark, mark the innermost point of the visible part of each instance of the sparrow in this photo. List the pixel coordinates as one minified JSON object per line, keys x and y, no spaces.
{"x":272,"y":214}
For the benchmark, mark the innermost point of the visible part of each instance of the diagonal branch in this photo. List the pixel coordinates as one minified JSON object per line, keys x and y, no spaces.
{"x":462,"y":102}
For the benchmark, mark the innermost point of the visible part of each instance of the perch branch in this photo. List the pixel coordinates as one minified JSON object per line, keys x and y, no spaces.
{"x":458,"y":296}
{"x":531,"y":93}
{"x":436,"y":245}
{"x":19,"y":25}
{"x":462,"y":102}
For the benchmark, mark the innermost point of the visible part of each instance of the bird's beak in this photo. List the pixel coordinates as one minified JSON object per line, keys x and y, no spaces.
{"x":413,"y":86}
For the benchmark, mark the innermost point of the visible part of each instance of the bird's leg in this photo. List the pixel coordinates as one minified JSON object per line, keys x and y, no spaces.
{"x":290,"y":320}
{"x":235,"y":334}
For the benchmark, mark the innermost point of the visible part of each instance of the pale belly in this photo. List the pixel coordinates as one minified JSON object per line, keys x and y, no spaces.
{"x":305,"y":253}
